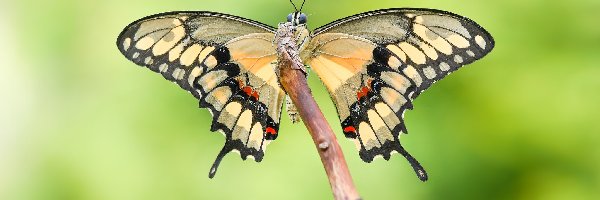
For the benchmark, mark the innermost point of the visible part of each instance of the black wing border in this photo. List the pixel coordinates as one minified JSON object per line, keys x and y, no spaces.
{"x":196,"y":14}
{"x":338,"y":22}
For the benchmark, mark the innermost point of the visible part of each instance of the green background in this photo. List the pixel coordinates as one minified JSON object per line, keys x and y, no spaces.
{"x":79,"y":121}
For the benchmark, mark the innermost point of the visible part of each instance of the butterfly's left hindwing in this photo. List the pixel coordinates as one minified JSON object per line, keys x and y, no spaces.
{"x":226,"y":62}
{"x":376,"y":63}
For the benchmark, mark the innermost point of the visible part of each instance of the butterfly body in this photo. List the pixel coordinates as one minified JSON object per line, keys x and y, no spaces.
{"x":373,"y":64}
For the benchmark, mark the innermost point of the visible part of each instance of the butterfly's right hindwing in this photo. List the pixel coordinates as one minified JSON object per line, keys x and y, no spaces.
{"x":225,"y":61}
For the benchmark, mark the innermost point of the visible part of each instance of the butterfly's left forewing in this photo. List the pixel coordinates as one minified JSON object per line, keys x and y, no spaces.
{"x":374,"y":64}
{"x":226,"y":62}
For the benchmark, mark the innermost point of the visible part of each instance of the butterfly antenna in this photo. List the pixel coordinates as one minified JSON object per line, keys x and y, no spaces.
{"x":302,"y":6}
{"x":295,"y":5}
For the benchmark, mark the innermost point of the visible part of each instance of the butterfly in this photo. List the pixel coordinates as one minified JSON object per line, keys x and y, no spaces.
{"x":374,"y":65}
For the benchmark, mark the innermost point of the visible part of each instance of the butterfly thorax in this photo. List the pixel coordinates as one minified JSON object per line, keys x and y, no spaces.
{"x":302,"y":35}
{"x":287,"y":49}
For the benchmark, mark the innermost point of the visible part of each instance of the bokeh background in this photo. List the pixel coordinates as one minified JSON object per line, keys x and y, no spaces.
{"x":79,"y":121}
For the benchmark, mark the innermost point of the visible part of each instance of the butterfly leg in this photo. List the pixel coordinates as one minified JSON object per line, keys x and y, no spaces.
{"x":291,"y":110}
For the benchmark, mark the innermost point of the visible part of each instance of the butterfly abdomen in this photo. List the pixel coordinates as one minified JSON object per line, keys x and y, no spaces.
{"x":292,"y":110}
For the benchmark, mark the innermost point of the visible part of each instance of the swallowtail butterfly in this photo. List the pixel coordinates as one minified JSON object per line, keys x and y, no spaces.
{"x":373,"y":64}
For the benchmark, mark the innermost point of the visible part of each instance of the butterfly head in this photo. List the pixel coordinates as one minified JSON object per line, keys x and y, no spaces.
{"x":297,"y":18}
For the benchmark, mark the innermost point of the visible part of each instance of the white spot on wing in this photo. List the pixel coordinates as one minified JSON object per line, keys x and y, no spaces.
{"x":458,"y":59}
{"x":178,"y":74}
{"x":163,"y":68}
{"x":148,"y":60}
{"x":470,"y":53}
{"x":429,"y":72}
{"x":126,"y":44}
{"x":444,"y":66}
{"x":480,"y":41}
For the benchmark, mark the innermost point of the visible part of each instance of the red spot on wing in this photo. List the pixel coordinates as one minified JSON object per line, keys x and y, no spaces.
{"x":247,"y":90}
{"x":271,"y":131}
{"x":349,"y":129}
{"x":255,"y":95}
{"x":362,"y":92}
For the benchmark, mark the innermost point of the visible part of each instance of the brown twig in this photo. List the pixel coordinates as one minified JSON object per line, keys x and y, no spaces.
{"x":294,"y":83}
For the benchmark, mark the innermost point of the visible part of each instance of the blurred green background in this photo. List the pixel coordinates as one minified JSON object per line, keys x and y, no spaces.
{"x":79,"y":121}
